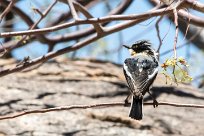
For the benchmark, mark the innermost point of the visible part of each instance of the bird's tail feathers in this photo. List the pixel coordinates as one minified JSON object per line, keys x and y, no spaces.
{"x":136,"y":108}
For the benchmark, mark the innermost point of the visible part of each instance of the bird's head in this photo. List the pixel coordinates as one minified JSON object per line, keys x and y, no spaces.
{"x":142,"y":46}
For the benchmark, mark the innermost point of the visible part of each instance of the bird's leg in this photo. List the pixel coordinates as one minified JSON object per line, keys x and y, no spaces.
{"x":155,"y":103}
{"x":127,"y":99}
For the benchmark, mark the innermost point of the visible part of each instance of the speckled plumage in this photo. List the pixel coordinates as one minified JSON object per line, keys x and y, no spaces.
{"x":140,"y":71}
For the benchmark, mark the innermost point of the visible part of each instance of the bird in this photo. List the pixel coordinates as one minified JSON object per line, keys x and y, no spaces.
{"x":140,"y":71}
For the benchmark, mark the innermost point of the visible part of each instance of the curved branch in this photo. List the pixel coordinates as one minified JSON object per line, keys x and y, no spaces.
{"x":72,"y":9}
{"x":97,"y":27}
{"x":67,"y":15}
{"x":195,"y":20}
{"x":86,"y":32}
{"x":71,"y":36}
{"x":7,"y":10}
{"x":184,"y":15}
{"x":144,"y":16}
{"x":78,"y":45}
{"x":184,"y":22}
{"x":101,"y":105}
{"x":196,"y":5}
{"x":26,"y":18}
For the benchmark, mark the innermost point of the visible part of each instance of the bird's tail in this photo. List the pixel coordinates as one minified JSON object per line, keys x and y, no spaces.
{"x":136,"y":108}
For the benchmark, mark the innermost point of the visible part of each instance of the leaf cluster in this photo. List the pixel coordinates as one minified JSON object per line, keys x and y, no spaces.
{"x":176,"y":70}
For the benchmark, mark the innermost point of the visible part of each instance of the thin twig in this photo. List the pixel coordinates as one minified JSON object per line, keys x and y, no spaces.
{"x":77,"y":46}
{"x":174,"y":74}
{"x":183,"y":44}
{"x":49,"y":55}
{"x":158,"y":33}
{"x":77,"y":40}
{"x":5,"y":12}
{"x":38,"y":11}
{"x":176,"y":33}
{"x":42,"y":16}
{"x":83,"y":10}
{"x":188,"y":25}
{"x":133,"y":17}
{"x":167,"y":32}
{"x":101,"y":105}
{"x":65,"y":37}
{"x":193,"y":4}
{"x":72,"y":9}
{"x":5,"y":51}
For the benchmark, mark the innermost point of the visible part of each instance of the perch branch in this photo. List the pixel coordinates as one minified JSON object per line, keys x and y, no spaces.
{"x":101,"y":105}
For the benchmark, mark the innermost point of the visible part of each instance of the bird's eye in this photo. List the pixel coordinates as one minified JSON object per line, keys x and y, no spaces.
{"x":134,"y":47}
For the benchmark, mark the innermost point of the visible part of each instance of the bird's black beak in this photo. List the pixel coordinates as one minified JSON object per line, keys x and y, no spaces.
{"x":126,"y":46}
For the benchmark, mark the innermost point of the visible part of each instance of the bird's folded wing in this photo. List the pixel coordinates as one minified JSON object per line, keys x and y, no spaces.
{"x":139,"y":77}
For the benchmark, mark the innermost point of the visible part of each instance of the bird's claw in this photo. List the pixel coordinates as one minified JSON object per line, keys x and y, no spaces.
{"x":126,"y":103}
{"x":155,"y":103}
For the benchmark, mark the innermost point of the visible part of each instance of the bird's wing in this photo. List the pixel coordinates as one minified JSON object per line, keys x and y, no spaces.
{"x":129,"y":80}
{"x":140,"y":73}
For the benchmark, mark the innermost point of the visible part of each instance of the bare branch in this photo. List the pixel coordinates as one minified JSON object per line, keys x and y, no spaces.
{"x":188,"y":25}
{"x":38,"y":11}
{"x":72,"y":9}
{"x":61,"y":38}
{"x":97,"y":26}
{"x":199,"y":21}
{"x":196,"y":5}
{"x":158,"y":33}
{"x":176,"y":33}
{"x":26,"y":19}
{"x":183,"y":44}
{"x":49,"y":56}
{"x":101,"y":105}
{"x":78,"y":45}
{"x":195,"y":20}
{"x":144,"y":16}
{"x":7,"y":9}
{"x":43,"y":15}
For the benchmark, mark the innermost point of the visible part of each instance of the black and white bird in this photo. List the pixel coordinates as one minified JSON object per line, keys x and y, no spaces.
{"x":140,"y":71}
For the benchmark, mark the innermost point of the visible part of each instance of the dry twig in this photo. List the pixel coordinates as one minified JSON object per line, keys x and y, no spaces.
{"x":7,"y":10}
{"x":101,"y":105}
{"x":176,"y":33}
{"x":72,"y":9}
{"x":183,"y":44}
{"x":158,"y":33}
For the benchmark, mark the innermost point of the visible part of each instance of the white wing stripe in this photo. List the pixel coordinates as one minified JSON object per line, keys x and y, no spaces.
{"x":153,"y":74}
{"x":128,"y":73}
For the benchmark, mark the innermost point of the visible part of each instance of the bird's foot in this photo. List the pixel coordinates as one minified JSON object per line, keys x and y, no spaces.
{"x":126,"y":103}
{"x":155,"y":103}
